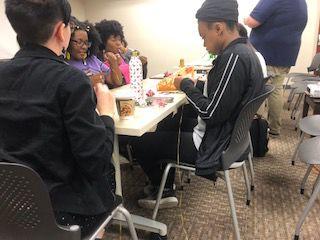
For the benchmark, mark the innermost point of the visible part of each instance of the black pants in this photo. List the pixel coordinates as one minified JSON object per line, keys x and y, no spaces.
{"x":154,"y":150}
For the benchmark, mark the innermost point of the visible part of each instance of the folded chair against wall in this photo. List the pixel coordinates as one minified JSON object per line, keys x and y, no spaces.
{"x":26,"y":211}
{"x":309,"y":152}
{"x":298,"y":88}
{"x":300,"y":76}
{"x":239,"y":143}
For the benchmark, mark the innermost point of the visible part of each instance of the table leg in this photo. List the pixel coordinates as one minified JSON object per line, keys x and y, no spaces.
{"x":116,"y":163}
{"x":138,"y":221}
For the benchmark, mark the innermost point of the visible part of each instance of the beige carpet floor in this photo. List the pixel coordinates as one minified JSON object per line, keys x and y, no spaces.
{"x":204,"y":209}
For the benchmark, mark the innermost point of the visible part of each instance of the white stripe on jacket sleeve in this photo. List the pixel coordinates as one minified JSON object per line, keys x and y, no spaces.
{"x":222,"y":80}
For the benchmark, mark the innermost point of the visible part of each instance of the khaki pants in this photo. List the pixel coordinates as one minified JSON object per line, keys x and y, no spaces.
{"x":275,"y":100}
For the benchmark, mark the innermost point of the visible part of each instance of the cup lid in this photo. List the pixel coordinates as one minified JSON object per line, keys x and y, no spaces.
{"x":124,"y":95}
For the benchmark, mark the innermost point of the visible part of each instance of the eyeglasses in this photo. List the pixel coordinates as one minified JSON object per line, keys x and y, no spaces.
{"x":80,"y":43}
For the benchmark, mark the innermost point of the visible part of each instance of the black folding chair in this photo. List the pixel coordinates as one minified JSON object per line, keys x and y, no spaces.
{"x":26,"y":211}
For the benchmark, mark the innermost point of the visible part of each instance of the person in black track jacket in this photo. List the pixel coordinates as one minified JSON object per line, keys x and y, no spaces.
{"x":235,"y":79}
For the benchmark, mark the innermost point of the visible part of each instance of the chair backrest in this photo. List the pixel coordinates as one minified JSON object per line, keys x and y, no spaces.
{"x":25,"y":207}
{"x":315,"y":63}
{"x":239,"y":140}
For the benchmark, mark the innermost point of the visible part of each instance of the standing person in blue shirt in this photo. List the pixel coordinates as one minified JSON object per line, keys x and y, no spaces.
{"x":277,"y":26}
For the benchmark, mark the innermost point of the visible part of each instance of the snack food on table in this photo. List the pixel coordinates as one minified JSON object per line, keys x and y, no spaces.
{"x":167,"y":83}
{"x":186,"y":72}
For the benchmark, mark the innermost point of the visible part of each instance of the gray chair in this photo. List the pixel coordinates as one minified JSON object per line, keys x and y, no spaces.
{"x":298,"y":88}
{"x":300,"y":76}
{"x":308,"y":126}
{"x":309,"y":152}
{"x":239,"y":143}
{"x":26,"y":211}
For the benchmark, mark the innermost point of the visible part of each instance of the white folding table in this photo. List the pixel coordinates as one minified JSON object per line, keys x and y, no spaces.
{"x":144,"y":120}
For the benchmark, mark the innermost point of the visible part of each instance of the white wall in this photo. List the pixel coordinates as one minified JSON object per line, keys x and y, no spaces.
{"x":78,"y":9}
{"x":166,"y":30}
{"x":8,"y":43}
{"x":309,"y":37}
{"x":163,"y":30}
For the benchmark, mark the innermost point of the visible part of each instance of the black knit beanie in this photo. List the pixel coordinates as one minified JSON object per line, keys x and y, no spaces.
{"x":218,"y":10}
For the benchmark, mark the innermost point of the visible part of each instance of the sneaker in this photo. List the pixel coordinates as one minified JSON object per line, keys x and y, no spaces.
{"x":168,"y":200}
{"x":151,"y":189}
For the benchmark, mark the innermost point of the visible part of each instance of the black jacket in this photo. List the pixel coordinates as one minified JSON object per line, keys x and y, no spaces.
{"x":48,"y":122}
{"x":235,"y":79}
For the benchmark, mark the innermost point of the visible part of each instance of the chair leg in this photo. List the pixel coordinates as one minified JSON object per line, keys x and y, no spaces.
{"x":189,"y":177}
{"x":298,"y":120}
{"x":232,"y":205}
{"x":303,"y":183}
{"x":295,"y":154}
{"x":251,"y":171}
{"x":181,"y":178}
{"x":290,"y":98}
{"x":316,"y":182}
{"x":307,"y":209}
{"x":250,"y":145}
{"x":295,"y":108}
{"x":161,"y":188}
{"x":128,"y":217}
{"x":129,"y":152}
{"x":246,"y":180}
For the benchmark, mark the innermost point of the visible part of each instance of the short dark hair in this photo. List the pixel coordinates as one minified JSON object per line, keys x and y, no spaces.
{"x":93,"y":35}
{"x":34,"y":20}
{"x":242,"y":31}
{"x":109,"y":28}
{"x":230,"y":24}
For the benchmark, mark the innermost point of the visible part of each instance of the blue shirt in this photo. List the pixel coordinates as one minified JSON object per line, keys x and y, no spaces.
{"x":278,"y":38}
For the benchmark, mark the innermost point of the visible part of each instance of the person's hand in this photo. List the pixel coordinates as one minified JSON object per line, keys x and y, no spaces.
{"x":119,"y":59}
{"x":113,"y":59}
{"x":97,"y":78}
{"x":143,"y":60}
{"x":178,"y":80}
{"x":105,"y":100}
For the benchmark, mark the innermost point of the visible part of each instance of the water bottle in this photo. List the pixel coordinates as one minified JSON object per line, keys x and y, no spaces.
{"x":136,"y":76}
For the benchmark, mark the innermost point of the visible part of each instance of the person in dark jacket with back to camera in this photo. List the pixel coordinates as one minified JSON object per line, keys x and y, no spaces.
{"x":277,"y":26}
{"x":48,"y":118}
{"x":235,"y":79}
